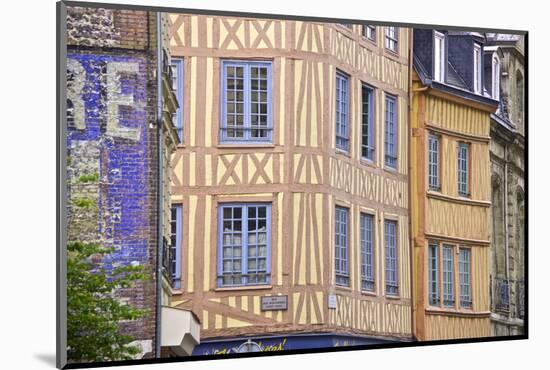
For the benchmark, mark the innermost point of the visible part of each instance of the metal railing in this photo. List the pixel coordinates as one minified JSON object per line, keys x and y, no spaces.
{"x":501,"y":295}
{"x":520,"y":295}
{"x":507,"y":294}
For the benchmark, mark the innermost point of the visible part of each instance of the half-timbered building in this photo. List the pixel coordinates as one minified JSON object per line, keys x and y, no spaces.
{"x":290,"y":218}
{"x":451,"y":186}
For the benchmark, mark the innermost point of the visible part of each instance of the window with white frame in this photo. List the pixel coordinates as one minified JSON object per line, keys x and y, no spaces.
{"x":342,"y":111}
{"x":246,"y":102}
{"x":439,"y":56}
{"x":433,"y":162}
{"x":244,"y":240}
{"x":464,"y":271}
{"x":477,"y":68}
{"x":177,"y":86}
{"x":341,"y":255}
{"x":175,"y":244}
{"x":433,"y":273}
{"x":390,"y":134}
{"x":367,"y":123}
{"x":463,"y":168}
{"x":367,"y":252}
{"x":496,"y":78}
{"x":369,"y":32}
{"x":391,"y":38}
{"x":390,"y":240}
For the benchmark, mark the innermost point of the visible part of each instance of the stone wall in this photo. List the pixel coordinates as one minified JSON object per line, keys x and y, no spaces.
{"x":508,"y":197}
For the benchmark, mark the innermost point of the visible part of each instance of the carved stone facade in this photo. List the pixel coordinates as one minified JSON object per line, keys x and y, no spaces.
{"x":508,"y":183}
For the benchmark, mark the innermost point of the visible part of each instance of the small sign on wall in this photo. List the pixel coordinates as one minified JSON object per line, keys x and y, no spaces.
{"x":275,"y":303}
{"x":332,"y":301}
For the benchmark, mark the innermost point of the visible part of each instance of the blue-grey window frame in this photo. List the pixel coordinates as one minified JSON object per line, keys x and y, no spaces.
{"x":247,"y":139}
{"x":465,"y":277}
{"x":369,"y":146}
{"x":388,"y":40}
{"x":391,"y":257}
{"x":433,"y":273}
{"x":434,"y":162}
{"x":342,"y":124}
{"x":176,"y":249}
{"x":463,"y":167}
{"x":341,"y":251}
{"x":391,"y":132}
{"x":244,"y":243}
{"x":365,"y":34}
{"x":448,"y":269}
{"x":368,"y":256}
{"x":177,"y":64}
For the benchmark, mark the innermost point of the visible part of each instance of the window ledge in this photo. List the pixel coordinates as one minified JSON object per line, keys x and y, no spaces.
{"x":367,"y":162}
{"x":245,"y":145}
{"x":342,"y":152}
{"x":454,"y":312}
{"x":368,"y":293}
{"x":243,"y":287}
{"x":342,"y":287}
{"x":392,"y":297}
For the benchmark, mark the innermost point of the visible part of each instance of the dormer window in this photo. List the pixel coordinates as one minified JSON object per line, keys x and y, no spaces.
{"x":477,"y":68}
{"x":496,"y":78}
{"x":439,"y":57}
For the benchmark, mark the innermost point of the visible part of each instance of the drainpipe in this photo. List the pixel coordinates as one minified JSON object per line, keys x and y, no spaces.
{"x":409,"y":172}
{"x":506,"y":251}
{"x":160,"y":213}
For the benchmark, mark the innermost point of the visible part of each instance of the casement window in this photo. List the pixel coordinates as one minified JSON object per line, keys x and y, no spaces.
{"x":439,"y":57}
{"x":441,"y":256}
{"x":390,"y":240}
{"x":369,"y":32}
{"x":367,"y":252}
{"x":391,"y":38}
{"x":433,"y":162}
{"x":477,"y":68}
{"x":367,"y":123}
{"x":463,"y":168}
{"x":464,"y":276}
{"x":390,"y":137}
{"x":244,"y":239}
{"x":246,"y":102}
{"x":342,"y":111}
{"x":448,"y":276}
{"x":496,"y":78}
{"x":177,"y":86}
{"x":175,"y":244}
{"x":341,"y":255}
{"x":433,"y":273}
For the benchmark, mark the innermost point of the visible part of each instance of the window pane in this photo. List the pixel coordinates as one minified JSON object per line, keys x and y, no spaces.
{"x":448,"y":276}
{"x":247,"y":101}
{"x":341,"y":245}
{"x":465,"y":276}
{"x":342,"y":130}
{"x":390,"y":137}
{"x":367,"y":253}
{"x":390,"y":239}
{"x":367,"y":143}
{"x":433,"y":271}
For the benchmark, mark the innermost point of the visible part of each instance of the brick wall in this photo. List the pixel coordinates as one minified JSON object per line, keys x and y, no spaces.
{"x":111,"y":144}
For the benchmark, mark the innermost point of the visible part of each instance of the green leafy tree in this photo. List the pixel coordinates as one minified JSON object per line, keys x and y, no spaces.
{"x":93,"y":311}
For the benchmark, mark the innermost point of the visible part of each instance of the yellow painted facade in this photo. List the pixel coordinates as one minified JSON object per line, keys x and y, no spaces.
{"x":443,"y":216}
{"x":301,"y":174}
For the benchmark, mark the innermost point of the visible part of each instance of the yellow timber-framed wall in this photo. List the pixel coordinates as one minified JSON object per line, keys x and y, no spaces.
{"x":300,"y":173}
{"x":444,"y":216}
